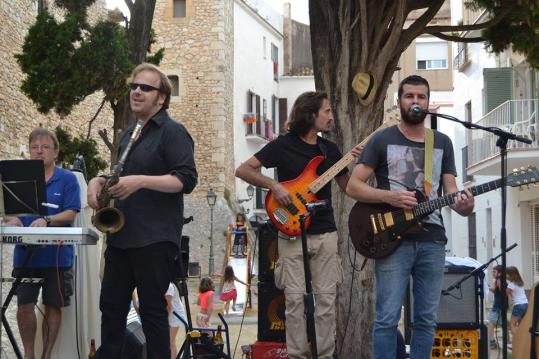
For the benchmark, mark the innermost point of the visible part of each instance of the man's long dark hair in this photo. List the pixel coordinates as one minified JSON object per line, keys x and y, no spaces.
{"x":303,"y":112}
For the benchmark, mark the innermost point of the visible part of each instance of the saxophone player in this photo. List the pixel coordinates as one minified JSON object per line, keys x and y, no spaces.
{"x":158,"y":170}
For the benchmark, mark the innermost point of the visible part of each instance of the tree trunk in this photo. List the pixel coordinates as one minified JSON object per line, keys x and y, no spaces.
{"x":349,"y":37}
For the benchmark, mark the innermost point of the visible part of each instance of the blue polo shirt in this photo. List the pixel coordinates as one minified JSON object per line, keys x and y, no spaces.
{"x":62,"y":190}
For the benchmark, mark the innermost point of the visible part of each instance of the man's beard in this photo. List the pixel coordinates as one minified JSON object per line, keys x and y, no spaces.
{"x":412,"y":118}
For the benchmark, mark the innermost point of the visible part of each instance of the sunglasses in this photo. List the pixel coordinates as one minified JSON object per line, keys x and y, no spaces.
{"x":145,"y":88}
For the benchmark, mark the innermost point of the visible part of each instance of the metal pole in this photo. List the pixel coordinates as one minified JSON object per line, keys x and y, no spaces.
{"x":212,"y":259}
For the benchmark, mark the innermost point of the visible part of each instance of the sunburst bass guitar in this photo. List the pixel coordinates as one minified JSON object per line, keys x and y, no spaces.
{"x":376,"y":229}
{"x":303,"y":188}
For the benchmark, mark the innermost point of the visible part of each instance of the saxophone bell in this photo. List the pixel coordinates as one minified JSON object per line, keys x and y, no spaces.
{"x":109,"y":219}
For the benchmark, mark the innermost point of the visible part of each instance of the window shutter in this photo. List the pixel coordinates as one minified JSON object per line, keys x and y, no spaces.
{"x":498,"y":85}
{"x":283,"y":115}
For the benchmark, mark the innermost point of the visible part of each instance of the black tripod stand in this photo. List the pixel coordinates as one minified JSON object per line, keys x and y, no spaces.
{"x":308,"y":297}
{"x":193,"y":337}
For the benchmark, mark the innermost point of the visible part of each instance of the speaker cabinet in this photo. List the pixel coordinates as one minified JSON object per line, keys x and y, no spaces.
{"x":459,"y":307}
{"x":271,"y":313}
{"x":268,"y":252}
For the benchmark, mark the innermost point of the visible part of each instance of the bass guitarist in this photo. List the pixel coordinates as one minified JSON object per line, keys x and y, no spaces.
{"x":396,"y":156}
{"x":289,"y":154}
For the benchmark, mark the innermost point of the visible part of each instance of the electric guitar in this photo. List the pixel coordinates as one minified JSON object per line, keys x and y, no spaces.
{"x":304,"y":187}
{"x":376,"y":229}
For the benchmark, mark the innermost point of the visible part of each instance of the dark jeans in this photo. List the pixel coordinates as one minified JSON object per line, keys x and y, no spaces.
{"x":150,"y":269}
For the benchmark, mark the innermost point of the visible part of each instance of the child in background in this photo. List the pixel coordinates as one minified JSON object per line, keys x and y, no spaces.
{"x":240,"y":235}
{"x":229,"y":292}
{"x":515,"y":289}
{"x":494,"y":314}
{"x":205,"y":301}
{"x":174,"y":305}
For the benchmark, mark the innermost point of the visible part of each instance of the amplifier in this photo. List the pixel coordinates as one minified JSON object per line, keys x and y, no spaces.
{"x":271,"y":313}
{"x":458,"y":308}
{"x":456,"y":343}
{"x":268,"y":252}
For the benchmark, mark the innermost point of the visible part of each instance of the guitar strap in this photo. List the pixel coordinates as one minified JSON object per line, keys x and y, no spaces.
{"x":323,"y":148}
{"x":534,"y":330}
{"x":429,"y":146}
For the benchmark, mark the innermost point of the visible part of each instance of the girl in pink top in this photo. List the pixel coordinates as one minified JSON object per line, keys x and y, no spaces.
{"x":205,"y":300}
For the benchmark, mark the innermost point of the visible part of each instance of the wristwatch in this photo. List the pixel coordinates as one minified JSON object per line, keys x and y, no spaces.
{"x":47,"y":219}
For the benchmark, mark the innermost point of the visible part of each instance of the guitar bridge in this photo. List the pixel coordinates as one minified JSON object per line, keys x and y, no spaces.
{"x":373,"y":222}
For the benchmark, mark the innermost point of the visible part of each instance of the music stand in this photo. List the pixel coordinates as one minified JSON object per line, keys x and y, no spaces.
{"x":22,"y":192}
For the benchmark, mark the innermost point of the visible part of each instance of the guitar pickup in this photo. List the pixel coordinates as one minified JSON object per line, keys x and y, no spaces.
{"x":388,"y":219}
{"x":292,"y":209}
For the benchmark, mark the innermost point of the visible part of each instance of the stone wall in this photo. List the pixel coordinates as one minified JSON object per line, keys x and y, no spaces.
{"x":199,"y":52}
{"x":18,"y":114}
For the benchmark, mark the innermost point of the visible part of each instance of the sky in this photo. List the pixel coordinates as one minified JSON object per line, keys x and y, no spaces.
{"x":300,"y":8}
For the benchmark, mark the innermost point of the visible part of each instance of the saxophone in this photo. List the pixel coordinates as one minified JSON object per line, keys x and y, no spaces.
{"x":107,"y":218}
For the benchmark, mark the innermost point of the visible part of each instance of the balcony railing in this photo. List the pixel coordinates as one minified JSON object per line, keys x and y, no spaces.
{"x":461,"y":60}
{"x":516,"y":116}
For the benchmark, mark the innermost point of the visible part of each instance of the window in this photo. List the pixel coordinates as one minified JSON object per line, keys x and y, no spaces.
{"x":179,"y":8}
{"x":264,"y":47}
{"x":175,"y":85}
{"x":431,"y":54}
{"x":275,"y":60}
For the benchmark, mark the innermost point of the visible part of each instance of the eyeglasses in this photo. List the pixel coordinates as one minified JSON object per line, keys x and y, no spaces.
{"x":36,"y":148}
{"x":145,"y":88}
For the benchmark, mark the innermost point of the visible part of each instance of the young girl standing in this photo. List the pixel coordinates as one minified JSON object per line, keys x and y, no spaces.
{"x":515,"y":289}
{"x":205,"y":301}
{"x":229,"y":292}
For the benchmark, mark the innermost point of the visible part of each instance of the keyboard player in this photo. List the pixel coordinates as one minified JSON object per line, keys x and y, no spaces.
{"x":52,"y":263}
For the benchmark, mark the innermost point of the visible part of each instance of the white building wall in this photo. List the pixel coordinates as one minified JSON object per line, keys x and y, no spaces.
{"x":253,"y":71}
{"x":293,"y":86}
{"x":468,"y":87}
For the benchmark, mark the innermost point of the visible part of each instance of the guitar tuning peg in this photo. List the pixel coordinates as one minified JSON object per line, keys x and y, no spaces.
{"x":522,"y":168}
{"x":515,"y":170}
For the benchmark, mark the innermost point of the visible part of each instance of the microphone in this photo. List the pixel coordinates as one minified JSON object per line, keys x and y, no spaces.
{"x":415,"y":109}
{"x":313,"y":206}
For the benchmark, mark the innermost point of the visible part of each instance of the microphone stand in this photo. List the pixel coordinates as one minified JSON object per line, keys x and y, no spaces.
{"x":308,"y":297}
{"x":503,"y":138}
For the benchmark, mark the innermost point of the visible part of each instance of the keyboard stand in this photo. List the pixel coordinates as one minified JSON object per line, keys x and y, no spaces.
{"x":18,"y":280}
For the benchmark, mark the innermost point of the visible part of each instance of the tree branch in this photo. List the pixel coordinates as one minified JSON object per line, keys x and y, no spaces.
{"x":457,"y":38}
{"x":93,"y":118}
{"x":130,"y":6}
{"x":364,"y":39}
{"x":418,"y":26}
{"x":104,"y":135}
{"x":454,"y":28}
{"x":394,"y":31}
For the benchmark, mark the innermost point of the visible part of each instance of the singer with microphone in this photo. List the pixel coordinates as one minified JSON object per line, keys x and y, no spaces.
{"x":408,"y":158}
{"x":289,"y":154}
{"x":52,"y":263}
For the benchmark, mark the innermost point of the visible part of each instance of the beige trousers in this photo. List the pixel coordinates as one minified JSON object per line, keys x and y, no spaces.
{"x":326,"y":274}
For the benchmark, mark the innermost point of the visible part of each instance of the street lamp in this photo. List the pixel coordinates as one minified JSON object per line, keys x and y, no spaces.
{"x":250,"y":194}
{"x":211,"y":197}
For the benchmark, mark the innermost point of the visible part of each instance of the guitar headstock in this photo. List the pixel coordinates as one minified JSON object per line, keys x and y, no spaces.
{"x":392,"y":117}
{"x":523,"y":176}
